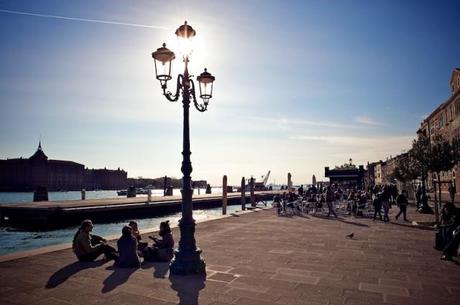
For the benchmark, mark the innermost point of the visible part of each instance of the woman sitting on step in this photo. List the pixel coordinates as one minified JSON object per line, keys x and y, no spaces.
{"x":162,"y":249}
{"x":127,"y":248}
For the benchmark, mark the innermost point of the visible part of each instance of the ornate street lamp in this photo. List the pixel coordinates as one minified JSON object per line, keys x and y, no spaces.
{"x":187,"y":258}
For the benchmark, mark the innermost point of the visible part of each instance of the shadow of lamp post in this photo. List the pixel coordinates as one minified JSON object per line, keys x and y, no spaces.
{"x":187,"y":258}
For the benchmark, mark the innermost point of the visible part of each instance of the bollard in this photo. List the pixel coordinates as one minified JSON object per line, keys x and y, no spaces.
{"x":149,"y":194}
{"x":289,"y":182}
{"x":208,"y":189}
{"x":83,"y":194}
{"x":131,"y":192}
{"x":41,"y":194}
{"x":224,"y":195}
{"x":243,"y":195}
{"x":165,"y":183}
{"x":251,"y":189}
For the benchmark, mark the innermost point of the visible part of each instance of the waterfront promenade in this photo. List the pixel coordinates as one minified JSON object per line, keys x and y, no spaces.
{"x":258,"y":258}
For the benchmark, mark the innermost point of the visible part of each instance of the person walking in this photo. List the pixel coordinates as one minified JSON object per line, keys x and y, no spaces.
{"x":329,"y":201}
{"x":377,"y":202}
{"x":401,"y":201}
{"x":385,"y":198}
{"x":452,"y":191}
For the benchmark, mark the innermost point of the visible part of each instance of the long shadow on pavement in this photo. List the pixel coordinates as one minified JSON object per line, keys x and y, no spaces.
{"x":66,"y":272}
{"x":344,"y":221}
{"x":160,"y":269}
{"x":410,"y":225}
{"x":187,"y":287}
{"x":118,"y":277}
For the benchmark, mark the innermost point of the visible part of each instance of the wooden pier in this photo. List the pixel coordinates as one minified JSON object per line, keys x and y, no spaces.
{"x":58,"y":214}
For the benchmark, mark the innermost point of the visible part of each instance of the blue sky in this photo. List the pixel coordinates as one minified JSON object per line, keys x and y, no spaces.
{"x":299,"y":84}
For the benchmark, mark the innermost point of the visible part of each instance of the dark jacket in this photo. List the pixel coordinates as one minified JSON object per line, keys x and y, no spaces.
{"x":127,"y":249}
{"x":165,"y":247}
{"x":401,"y":200}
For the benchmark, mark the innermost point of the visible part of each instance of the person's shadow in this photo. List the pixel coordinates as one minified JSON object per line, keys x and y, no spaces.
{"x":187,"y":287}
{"x":118,"y":277}
{"x":66,"y":272}
{"x":160,"y":269}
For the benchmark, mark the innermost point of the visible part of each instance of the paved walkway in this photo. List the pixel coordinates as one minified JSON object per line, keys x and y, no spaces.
{"x":257,"y":258}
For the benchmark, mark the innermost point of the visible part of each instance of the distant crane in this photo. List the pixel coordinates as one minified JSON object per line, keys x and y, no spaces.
{"x":265,"y":179}
{"x":261,"y":186}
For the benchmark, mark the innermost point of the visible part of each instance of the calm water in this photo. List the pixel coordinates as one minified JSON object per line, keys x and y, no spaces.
{"x":15,"y":197}
{"x":15,"y":240}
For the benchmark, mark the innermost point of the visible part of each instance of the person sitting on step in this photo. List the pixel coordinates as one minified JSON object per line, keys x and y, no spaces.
{"x":162,"y":249}
{"x":127,"y":249}
{"x":87,"y":246}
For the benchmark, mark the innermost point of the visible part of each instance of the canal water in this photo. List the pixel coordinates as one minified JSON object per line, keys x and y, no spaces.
{"x":12,"y":240}
{"x":15,"y":197}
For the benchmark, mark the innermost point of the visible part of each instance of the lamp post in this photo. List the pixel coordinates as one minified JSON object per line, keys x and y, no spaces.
{"x":187,"y":258}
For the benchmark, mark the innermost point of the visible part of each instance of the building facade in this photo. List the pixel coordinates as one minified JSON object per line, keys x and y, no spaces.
{"x":26,"y":174}
{"x":369,"y":175}
{"x":444,"y":121}
{"x":105,"y":179}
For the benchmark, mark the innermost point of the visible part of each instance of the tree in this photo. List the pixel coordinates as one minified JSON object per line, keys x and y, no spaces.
{"x":456,"y":150}
{"x":420,"y":163}
{"x":406,"y":169}
{"x":441,"y":159}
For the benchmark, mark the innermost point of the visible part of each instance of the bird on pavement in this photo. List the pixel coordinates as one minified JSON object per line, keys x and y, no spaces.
{"x":350,"y":235}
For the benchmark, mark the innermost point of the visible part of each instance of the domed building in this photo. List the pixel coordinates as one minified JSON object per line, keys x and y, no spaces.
{"x":23,"y":175}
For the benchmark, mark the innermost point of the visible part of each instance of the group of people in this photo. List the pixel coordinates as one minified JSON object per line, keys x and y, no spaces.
{"x":130,"y":246}
{"x":382,"y":198}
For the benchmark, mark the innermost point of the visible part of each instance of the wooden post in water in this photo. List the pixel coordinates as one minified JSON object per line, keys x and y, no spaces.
{"x":251,"y":189}
{"x":224,"y":195}
{"x":243,"y":194}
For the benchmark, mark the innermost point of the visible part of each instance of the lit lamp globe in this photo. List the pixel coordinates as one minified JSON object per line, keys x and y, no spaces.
{"x":162,"y":59}
{"x":185,"y":33}
{"x":206,"y":81}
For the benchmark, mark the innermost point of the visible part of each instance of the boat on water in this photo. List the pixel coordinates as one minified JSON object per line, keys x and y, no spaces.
{"x":139,"y":191}
{"x":122,"y":192}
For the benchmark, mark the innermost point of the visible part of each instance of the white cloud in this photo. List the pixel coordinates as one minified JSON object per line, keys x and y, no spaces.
{"x":365,"y":148}
{"x":285,"y":123}
{"x":368,"y":121}
{"x":358,"y":141}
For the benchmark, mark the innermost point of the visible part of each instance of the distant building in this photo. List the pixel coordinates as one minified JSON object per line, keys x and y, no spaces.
{"x":105,"y":179}
{"x":378,"y":177}
{"x":369,"y":175}
{"x":444,"y":121}
{"x":346,"y":176}
{"x":22,"y":174}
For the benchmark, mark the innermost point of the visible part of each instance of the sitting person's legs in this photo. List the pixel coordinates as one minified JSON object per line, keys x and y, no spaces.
{"x":452,"y":246}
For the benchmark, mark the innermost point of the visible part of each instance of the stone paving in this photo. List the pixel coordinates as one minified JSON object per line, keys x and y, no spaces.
{"x":258,"y":258}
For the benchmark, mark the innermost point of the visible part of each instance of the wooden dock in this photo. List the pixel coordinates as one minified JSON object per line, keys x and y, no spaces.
{"x":57,"y":214}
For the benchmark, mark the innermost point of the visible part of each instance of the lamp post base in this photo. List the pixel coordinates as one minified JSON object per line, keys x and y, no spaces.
{"x":187,"y":263}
